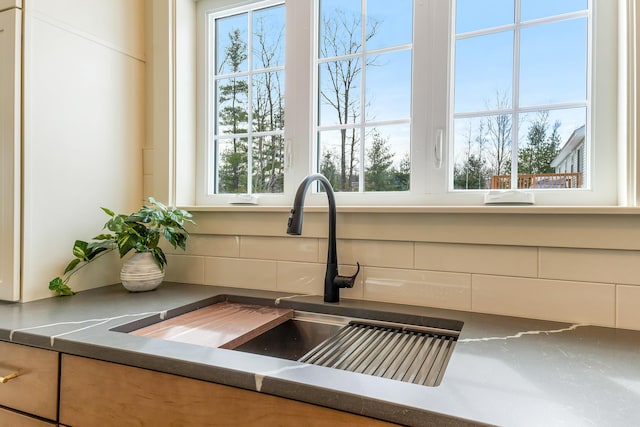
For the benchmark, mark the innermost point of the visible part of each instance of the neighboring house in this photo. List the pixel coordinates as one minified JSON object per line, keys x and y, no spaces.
{"x":571,"y":157}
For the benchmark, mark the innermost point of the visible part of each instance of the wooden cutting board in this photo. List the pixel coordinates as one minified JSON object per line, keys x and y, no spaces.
{"x":224,"y":325}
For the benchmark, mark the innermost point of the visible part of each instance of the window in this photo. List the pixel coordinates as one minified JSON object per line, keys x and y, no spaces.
{"x":364,"y":92}
{"x":246,"y":68}
{"x":407,"y":102}
{"x":521,"y":91}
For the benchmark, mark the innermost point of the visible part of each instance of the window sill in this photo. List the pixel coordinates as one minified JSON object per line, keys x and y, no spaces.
{"x":493,"y":209}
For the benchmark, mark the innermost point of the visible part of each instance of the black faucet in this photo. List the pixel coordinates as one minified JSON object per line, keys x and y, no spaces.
{"x":332,"y":280}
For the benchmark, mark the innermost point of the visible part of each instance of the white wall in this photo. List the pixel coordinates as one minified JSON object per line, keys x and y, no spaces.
{"x":83,"y":127}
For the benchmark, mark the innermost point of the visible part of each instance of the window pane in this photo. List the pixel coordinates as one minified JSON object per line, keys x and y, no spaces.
{"x":482,"y":152}
{"x":232,"y":165}
{"x":340,"y":28}
{"x":339,"y":154}
{"x":389,"y":23}
{"x":553,"y":63}
{"x":340,"y":84}
{"x":233,"y":115}
{"x":231,"y":44}
{"x":344,"y":70}
{"x":483,"y":68}
{"x":532,"y":9}
{"x":268,"y":37}
{"x":388,"y":94}
{"x":268,"y":164}
{"x":249,"y":101}
{"x":474,"y":15}
{"x":387,"y":161}
{"x":551,"y":149}
{"x":268,"y":101}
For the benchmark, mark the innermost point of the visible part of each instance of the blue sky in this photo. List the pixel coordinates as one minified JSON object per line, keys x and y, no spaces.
{"x":552,"y":61}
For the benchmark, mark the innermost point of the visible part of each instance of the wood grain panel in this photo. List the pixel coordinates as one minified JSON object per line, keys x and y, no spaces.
{"x":225,"y":325}
{"x":35,"y":390}
{"x":16,"y":419}
{"x":97,"y":393}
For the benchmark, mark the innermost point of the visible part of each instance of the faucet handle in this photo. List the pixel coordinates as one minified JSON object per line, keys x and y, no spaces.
{"x":346,"y":281}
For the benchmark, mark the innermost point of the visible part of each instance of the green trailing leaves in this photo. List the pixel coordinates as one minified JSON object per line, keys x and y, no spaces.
{"x":73,"y":264}
{"x":60,"y":287}
{"x":139,"y":231}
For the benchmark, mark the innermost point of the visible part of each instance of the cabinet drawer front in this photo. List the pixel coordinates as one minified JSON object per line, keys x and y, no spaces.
{"x":35,"y":389}
{"x":99,"y":393}
{"x":16,"y":419}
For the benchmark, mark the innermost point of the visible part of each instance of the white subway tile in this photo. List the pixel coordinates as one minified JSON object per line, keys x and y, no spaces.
{"x":207,"y":245}
{"x":482,"y":259}
{"x":240,"y":273}
{"x":184,"y":268}
{"x":279,"y":248}
{"x":308,"y":279}
{"x":628,"y":307}
{"x":591,"y":265}
{"x":576,"y":302}
{"x":372,"y":253}
{"x":301,"y":278}
{"x":417,"y":287}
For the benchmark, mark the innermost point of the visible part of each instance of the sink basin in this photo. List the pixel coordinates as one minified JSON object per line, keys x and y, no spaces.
{"x":295,"y":337}
{"x":397,"y":346}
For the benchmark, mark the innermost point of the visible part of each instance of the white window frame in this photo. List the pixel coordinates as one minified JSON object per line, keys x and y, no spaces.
{"x":432,"y":113}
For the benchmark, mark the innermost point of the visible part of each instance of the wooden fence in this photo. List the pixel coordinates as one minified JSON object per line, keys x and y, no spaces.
{"x":544,"y":180}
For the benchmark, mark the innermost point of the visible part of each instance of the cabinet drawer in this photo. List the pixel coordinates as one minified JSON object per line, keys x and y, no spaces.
{"x":35,"y":389}
{"x":95,"y":393}
{"x":16,"y":419}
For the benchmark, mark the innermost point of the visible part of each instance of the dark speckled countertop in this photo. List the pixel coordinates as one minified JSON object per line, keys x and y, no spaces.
{"x":504,"y":370}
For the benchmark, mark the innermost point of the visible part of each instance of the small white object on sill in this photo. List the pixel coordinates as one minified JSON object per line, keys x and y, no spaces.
{"x":245,"y":199}
{"x":509,"y":197}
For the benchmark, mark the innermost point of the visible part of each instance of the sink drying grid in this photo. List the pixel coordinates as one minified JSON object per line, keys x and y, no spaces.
{"x":412,"y":354}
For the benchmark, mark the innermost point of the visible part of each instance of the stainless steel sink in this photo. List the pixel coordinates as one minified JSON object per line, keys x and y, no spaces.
{"x":295,"y":337}
{"x":410,"y":348}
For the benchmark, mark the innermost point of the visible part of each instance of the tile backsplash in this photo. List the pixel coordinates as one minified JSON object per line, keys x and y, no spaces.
{"x":589,"y":286}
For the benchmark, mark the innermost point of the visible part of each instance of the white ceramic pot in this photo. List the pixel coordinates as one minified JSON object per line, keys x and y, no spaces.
{"x":141,"y":273}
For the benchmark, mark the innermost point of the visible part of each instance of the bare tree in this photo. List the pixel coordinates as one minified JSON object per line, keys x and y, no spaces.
{"x":342,"y":37}
{"x":499,"y":135}
{"x":268,"y":114}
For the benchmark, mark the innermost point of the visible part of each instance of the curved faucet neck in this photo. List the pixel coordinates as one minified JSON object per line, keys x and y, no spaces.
{"x":295,"y":221}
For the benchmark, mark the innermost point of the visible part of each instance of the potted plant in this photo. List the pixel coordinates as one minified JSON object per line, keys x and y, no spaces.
{"x":139,"y":232}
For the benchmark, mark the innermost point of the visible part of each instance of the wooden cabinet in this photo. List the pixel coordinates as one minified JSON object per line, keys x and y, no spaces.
{"x":16,"y":419}
{"x":10,"y":66}
{"x":34,"y":390}
{"x":96,"y":393}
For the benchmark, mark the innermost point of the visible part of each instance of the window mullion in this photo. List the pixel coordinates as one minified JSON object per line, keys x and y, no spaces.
{"x":250,"y":81}
{"x":515,"y":98}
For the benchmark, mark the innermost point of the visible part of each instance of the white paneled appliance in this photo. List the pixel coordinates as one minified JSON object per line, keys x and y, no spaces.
{"x":10,"y":110}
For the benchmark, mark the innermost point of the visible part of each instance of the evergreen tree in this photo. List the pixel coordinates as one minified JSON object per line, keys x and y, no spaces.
{"x":233,"y":118}
{"x":472,"y":174}
{"x":267,"y":115}
{"x":541,"y":148}
{"x":378,"y":175}
{"x":402,"y":175}
{"x":329,"y":169}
